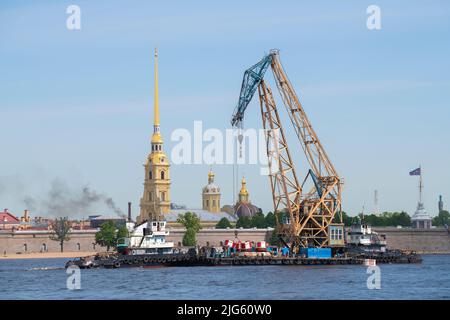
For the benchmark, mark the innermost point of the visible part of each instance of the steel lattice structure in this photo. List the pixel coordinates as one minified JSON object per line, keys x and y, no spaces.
{"x":312,"y":211}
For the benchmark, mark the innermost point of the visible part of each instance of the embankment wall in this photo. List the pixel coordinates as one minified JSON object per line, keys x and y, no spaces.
{"x":432,"y":241}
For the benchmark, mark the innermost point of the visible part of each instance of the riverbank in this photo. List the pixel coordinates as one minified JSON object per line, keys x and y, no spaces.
{"x":44,"y":255}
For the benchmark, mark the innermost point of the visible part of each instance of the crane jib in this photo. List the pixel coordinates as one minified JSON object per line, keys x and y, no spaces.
{"x":252,"y":78}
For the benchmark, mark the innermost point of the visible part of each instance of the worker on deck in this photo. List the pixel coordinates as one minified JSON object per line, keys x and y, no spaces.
{"x":285,"y":251}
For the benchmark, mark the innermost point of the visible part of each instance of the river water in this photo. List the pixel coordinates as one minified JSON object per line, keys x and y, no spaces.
{"x":46,"y":279}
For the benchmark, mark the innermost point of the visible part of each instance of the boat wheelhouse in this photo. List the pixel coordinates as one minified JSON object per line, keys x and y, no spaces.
{"x":147,"y":238}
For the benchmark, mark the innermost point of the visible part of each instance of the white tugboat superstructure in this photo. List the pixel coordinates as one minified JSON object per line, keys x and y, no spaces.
{"x":147,"y":238}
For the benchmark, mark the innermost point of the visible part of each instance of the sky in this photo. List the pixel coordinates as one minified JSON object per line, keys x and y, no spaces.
{"x":76,"y":105}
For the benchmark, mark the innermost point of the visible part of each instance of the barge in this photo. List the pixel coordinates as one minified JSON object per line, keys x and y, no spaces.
{"x":147,"y":247}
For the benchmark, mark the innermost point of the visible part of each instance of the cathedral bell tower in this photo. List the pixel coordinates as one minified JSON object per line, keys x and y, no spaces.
{"x":155,"y":201}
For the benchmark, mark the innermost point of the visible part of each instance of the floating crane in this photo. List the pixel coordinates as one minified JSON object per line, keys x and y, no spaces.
{"x":304,"y":214}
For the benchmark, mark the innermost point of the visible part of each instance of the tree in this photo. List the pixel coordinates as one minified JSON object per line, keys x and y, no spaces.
{"x":192,"y":224}
{"x":106,"y":236}
{"x":346,"y":219}
{"x":61,"y":230}
{"x":258,"y":221}
{"x":400,"y":219}
{"x":122,"y":232}
{"x":274,"y":239}
{"x":270,"y":220}
{"x":244,"y":222}
{"x":189,"y":238}
{"x":190,"y":221}
{"x":223,"y":223}
{"x":442,"y":219}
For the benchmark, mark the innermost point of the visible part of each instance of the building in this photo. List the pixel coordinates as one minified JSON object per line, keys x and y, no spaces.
{"x":210,"y":214}
{"x":244,"y":208}
{"x":211,"y":195}
{"x":155,"y":200}
{"x":421,"y":219}
{"x":8,"y":221}
{"x":97,"y":220}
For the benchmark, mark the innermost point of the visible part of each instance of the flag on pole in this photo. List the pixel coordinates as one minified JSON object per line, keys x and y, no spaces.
{"x":415,"y":172}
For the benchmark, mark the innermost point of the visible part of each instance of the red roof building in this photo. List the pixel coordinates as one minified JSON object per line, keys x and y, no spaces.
{"x":8,"y":221}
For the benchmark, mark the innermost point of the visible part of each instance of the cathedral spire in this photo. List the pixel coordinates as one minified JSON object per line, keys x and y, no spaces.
{"x":156,"y":138}
{"x":156,"y":93}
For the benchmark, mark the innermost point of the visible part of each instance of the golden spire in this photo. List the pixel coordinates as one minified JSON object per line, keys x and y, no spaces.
{"x":243,"y":194}
{"x":243,"y":191}
{"x":156,"y":138}
{"x":156,"y":98}
{"x":210,"y":176}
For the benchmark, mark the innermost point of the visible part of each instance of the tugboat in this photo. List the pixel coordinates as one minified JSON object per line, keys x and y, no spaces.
{"x":362,"y":238}
{"x":146,"y":246}
{"x":147,"y":238}
{"x":364,"y":243}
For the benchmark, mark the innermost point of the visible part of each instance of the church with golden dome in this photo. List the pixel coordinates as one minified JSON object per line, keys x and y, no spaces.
{"x":156,"y":202}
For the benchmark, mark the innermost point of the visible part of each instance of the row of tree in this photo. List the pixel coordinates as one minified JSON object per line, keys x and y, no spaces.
{"x":107,"y":236}
{"x":109,"y":233}
{"x":386,"y":219}
{"x":259,"y":221}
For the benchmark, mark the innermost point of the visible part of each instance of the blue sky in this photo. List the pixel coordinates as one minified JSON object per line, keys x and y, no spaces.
{"x":77,"y":105}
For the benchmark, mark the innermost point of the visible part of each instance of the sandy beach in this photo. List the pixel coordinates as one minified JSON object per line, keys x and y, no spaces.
{"x":43,"y":255}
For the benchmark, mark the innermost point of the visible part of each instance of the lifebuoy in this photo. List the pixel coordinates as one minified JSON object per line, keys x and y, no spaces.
{"x":136,"y":260}
{"x":146,"y":259}
{"x":117,"y":264}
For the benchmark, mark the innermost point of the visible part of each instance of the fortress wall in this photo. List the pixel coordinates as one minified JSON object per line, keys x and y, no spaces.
{"x":431,"y":240}
{"x":424,"y":240}
{"x":21,"y":242}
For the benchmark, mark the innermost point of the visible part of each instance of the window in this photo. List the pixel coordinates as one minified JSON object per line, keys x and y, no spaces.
{"x":163,"y":196}
{"x":150,"y":196}
{"x":207,"y":203}
{"x":150,"y":175}
{"x":214,"y":203}
{"x":162,"y":175}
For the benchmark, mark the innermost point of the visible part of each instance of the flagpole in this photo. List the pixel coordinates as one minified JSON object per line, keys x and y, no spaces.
{"x":420,"y":184}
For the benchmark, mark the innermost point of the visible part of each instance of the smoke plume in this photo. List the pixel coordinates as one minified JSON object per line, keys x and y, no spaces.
{"x":64,"y":201}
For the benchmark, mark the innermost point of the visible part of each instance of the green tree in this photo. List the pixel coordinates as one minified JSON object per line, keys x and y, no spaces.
{"x":122,"y":232}
{"x":106,"y":236}
{"x":189,"y":238}
{"x":223,"y":223}
{"x":442,"y":219}
{"x":400,"y":219}
{"x":270,"y":220}
{"x":244,"y":222}
{"x":274,"y":239}
{"x":190,"y":221}
{"x":61,"y":230}
{"x":258,"y":221}
{"x":192,"y":224}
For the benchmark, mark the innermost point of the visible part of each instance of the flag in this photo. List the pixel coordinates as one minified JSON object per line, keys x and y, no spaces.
{"x":415,"y":172}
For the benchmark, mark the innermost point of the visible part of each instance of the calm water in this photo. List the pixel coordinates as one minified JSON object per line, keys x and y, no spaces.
{"x":46,"y":279}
